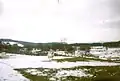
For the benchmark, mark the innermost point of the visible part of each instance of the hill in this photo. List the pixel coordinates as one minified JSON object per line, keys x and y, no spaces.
{"x":108,"y":44}
{"x":20,"y":42}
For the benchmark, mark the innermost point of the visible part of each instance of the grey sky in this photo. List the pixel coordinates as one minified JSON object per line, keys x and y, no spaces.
{"x":47,"y":21}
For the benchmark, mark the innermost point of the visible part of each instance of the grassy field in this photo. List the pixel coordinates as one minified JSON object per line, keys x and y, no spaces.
{"x":101,"y":73}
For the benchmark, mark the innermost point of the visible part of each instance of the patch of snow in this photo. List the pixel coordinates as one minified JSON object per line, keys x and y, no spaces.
{"x":77,"y":73}
{"x":35,"y":72}
{"x":59,"y":73}
{"x":52,"y":79}
{"x":8,"y":74}
{"x":112,"y":56}
{"x":21,"y":45}
{"x":61,"y":57}
{"x":12,"y":43}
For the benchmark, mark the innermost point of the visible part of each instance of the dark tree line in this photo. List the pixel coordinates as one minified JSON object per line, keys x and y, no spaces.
{"x":61,"y":46}
{"x":9,"y":48}
{"x":106,"y":44}
{"x":112,"y":44}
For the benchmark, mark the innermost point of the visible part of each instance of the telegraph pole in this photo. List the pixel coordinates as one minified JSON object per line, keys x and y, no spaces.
{"x":63,"y":41}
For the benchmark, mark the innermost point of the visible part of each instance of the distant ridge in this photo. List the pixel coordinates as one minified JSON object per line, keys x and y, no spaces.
{"x":28,"y":43}
{"x":49,"y":43}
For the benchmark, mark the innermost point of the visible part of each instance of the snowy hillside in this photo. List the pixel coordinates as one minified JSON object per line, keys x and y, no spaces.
{"x":17,"y":41}
{"x":12,"y":43}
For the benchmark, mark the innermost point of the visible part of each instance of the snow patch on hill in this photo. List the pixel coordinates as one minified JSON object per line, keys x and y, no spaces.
{"x":12,"y":43}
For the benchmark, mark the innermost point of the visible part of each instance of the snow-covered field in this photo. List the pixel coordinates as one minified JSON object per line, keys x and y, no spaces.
{"x":25,"y":61}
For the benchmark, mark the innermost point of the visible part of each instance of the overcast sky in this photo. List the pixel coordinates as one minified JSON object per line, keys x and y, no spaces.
{"x":48,"y":21}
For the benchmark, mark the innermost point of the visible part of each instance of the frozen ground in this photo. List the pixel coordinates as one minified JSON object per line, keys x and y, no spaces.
{"x":8,"y":74}
{"x":25,"y":61}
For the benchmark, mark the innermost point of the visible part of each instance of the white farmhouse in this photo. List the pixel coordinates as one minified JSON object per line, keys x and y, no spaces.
{"x":79,"y":53}
{"x":35,"y":50}
{"x":98,"y":50}
{"x":60,"y":52}
{"x":112,"y":53}
{"x":113,"y":50}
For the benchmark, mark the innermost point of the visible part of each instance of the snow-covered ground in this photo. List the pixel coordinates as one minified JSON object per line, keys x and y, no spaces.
{"x":24,"y":61}
{"x":76,"y":73}
{"x":8,"y":74}
{"x":7,"y":66}
{"x":57,"y":74}
{"x":16,"y":61}
{"x":60,"y":73}
{"x":36,"y":63}
{"x":110,"y":55}
{"x":42,"y":58}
